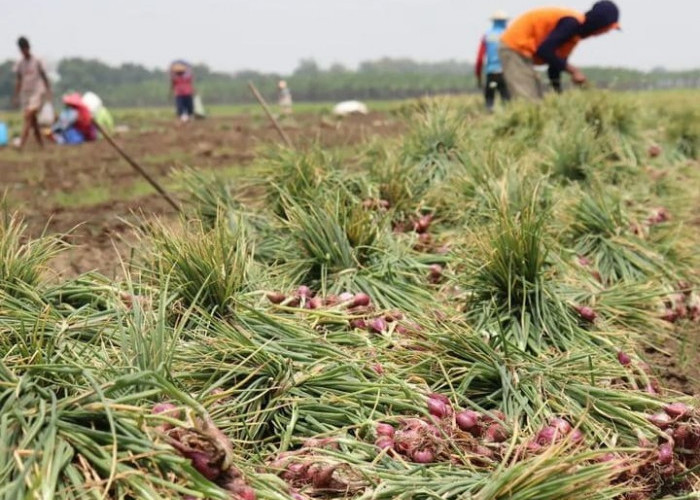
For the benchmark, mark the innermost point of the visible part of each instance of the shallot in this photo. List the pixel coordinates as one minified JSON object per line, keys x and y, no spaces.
{"x":468,"y":421}
{"x":661,"y":420}
{"x":360,"y":300}
{"x":378,"y":325}
{"x":384,"y":443}
{"x":438,"y":408}
{"x":423,"y":456}
{"x":677,"y":410}
{"x":496,"y":433}
{"x":665,"y":454}
{"x":276,"y":297}
{"x":587,"y":313}
{"x":624,"y":358}
{"x":385,"y":430}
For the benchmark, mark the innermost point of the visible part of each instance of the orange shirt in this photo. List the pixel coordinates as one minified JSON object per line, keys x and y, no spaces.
{"x":526,"y":33}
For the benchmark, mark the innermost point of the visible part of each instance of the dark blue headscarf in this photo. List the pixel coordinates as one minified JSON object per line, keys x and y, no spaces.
{"x":602,"y":15}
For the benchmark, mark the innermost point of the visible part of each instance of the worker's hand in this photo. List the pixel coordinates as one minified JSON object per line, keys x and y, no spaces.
{"x":577,"y":77}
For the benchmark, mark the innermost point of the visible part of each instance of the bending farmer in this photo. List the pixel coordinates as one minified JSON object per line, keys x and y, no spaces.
{"x":488,"y":51}
{"x":548,"y":36}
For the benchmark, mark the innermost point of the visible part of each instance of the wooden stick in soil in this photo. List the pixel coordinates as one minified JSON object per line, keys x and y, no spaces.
{"x":138,"y":168}
{"x":264,"y":105}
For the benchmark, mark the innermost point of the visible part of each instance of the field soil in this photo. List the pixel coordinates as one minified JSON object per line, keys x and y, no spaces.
{"x":89,"y":194}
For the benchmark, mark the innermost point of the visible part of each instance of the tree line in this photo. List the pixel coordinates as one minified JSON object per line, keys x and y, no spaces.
{"x":133,"y":85}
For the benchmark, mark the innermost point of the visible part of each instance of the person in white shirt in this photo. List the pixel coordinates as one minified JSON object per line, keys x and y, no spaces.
{"x":284,"y":98}
{"x":32,"y":89}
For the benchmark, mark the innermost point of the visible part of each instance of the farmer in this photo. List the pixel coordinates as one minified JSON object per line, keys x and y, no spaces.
{"x":32,"y":89}
{"x":284,"y":98}
{"x":75,"y":123}
{"x":182,"y":87}
{"x":548,"y":36}
{"x":488,"y":50}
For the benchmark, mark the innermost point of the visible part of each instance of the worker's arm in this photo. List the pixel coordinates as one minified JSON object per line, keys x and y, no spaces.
{"x":42,"y":73}
{"x":480,"y":62}
{"x":18,"y":86}
{"x":567,"y":28}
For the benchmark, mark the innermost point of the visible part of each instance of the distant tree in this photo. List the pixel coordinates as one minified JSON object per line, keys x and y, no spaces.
{"x":337,"y":68}
{"x":387,"y":78}
{"x":307,"y":67}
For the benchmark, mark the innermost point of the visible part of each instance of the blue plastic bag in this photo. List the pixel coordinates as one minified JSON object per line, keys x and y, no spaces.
{"x":73,"y":136}
{"x":4,"y":136}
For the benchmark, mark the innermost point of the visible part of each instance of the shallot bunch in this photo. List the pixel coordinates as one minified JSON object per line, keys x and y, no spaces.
{"x":209,"y":450}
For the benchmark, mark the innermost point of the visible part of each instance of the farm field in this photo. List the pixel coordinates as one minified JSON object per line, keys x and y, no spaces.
{"x":428,"y":302}
{"x":91,"y":194}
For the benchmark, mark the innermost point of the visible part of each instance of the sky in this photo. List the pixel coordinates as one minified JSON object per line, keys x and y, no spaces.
{"x":273,"y":35}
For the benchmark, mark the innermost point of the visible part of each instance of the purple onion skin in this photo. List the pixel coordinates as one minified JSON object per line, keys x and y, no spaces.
{"x":423,"y":457}
{"x":608,"y":457}
{"x":276,"y":298}
{"x":425,"y":238}
{"x":534,"y":447}
{"x":584,"y":261}
{"x":587,"y":313}
{"x":304,"y":291}
{"x":437,"y":408}
{"x":681,"y":435}
{"x":547,"y":436}
{"x":670,"y":316}
{"x":495,"y":416}
{"x":322,"y":478}
{"x":665,"y":454}
{"x":385,"y":430}
{"x":677,"y":410}
{"x":660,"y":420}
{"x":576,"y":436}
{"x":360,"y":300}
{"x":562,"y":426}
{"x":440,"y":397}
{"x":384,"y":443}
{"x":468,"y":421}
{"x":435,"y":273}
{"x":624,"y":358}
{"x":247,"y":493}
{"x":496,"y":433}
{"x":315,"y":303}
{"x":393,"y":316}
{"x":294,"y":471}
{"x":378,"y":368}
{"x":406,"y":440}
{"x":485,"y":452}
{"x":200,"y":461}
{"x":240,"y":490}
{"x":166,"y":409}
{"x":359,"y":324}
{"x":378,"y":325}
